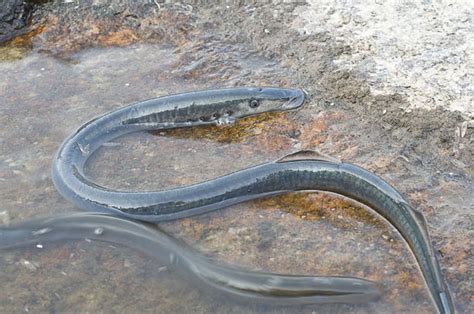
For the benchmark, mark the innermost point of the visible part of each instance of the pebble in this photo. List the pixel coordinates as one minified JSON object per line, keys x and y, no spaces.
{"x":162,"y":269}
{"x":30,"y":265}
{"x":4,"y":218}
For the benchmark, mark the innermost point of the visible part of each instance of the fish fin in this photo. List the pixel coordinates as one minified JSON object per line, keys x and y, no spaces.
{"x":420,"y":218}
{"x":307,"y":155}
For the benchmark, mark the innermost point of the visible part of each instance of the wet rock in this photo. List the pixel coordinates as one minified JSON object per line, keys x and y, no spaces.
{"x":293,"y":233}
{"x":267,"y":233}
{"x":73,"y":26}
{"x":14,"y":16}
{"x":32,"y":266}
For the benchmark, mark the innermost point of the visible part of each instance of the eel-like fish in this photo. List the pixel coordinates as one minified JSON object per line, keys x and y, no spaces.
{"x":297,"y":172}
{"x":237,"y":283}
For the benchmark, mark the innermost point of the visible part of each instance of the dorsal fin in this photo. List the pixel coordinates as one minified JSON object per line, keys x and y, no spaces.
{"x":420,"y":218}
{"x":307,"y":155}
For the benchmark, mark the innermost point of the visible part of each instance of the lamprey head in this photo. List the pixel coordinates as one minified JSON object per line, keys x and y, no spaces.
{"x":267,"y":99}
{"x":224,"y":106}
{"x":228,"y":105}
{"x":220,"y":106}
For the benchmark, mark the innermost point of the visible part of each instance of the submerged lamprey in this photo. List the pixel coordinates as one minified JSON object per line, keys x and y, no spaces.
{"x":298,"y":172}
{"x":151,"y":240}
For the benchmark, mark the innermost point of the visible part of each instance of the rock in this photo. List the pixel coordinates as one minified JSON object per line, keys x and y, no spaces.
{"x":14,"y":17}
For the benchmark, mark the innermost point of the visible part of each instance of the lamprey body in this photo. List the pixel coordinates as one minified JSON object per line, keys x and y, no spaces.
{"x":297,"y":172}
{"x":149,"y":239}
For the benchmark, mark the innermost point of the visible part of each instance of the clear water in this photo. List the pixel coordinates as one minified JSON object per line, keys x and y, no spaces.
{"x":43,"y":99}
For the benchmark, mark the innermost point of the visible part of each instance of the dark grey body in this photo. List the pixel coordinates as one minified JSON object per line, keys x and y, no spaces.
{"x":236,"y":283}
{"x":301,"y":172}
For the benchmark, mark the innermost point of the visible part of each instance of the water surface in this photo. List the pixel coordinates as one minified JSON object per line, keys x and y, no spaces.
{"x":45,"y":98}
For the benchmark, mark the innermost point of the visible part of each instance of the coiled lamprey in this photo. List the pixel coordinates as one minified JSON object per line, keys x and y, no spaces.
{"x":297,"y":172}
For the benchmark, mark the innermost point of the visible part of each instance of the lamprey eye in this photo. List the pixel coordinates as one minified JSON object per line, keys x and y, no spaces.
{"x":254,"y":103}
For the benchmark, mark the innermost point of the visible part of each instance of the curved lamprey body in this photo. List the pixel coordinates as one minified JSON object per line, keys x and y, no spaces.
{"x":302,"y":171}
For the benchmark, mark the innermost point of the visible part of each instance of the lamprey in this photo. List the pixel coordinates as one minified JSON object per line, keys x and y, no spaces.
{"x":297,"y":172}
{"x":236,"y":283}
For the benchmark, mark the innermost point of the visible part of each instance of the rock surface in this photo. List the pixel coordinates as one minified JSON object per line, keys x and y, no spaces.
{"x":421,"y":50}
{"x":14,"y":15}
{"x":89,"y":57}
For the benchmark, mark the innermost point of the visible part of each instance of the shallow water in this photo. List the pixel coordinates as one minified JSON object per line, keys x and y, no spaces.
{"x":45,"y":98}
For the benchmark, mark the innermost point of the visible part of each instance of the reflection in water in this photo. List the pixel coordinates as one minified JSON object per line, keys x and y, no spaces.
{"x":238,"y":283}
